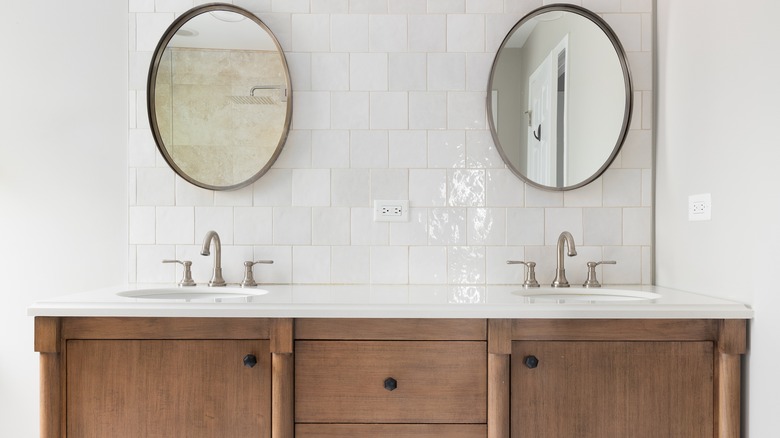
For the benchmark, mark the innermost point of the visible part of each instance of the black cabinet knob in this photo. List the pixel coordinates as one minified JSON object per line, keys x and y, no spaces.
{"x":531,"y":361}
{"x":391,"y":384}
{"x":250,"y":360}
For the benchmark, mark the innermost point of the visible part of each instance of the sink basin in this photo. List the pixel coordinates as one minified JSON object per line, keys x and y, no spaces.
{"x":581,"y":294}
{"x":193,"y":293}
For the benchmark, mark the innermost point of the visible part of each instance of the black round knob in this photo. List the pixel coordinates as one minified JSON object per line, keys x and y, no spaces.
{"x":391,"y":384}
{"x":250,"y":360}
{"x":531,"y":361}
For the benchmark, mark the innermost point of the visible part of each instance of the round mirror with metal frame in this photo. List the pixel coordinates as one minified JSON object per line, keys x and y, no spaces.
{"x":219,"y":97}
{"x":559,"y":97}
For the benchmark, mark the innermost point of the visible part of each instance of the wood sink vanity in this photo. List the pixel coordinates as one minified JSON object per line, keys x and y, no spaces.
{"x":418,"y":377}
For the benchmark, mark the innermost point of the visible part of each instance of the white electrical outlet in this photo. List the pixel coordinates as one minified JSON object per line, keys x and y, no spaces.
{"x":700,"y":207}
{"x":391,"y":211}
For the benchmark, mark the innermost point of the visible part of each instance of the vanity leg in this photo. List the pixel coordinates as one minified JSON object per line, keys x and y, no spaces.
{"x":732,"y":344}
{"x":50,"y":395}
{"x":498,"y":396}
{"x":282,"y":382}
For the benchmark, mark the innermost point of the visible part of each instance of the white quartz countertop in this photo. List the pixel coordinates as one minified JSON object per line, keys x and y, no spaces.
{"x":391,"y":301}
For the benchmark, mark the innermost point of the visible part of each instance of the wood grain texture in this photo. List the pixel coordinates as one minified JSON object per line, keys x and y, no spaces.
{"x":283,"y":403}
{"x":47,"y":334}
{"x":282,"y":335}
{"x":50,"y":393}
{"x":613,"y":389}
{"x":392,"y":329}
{"x":389,"y":431}
{"x":615,"y":329}
{"x":165,"y":328}
{"x":498,"y":396}
{"x":164,"y":388}
{"x":500,"y":336}
{"x":732,"y":336}
{"x":343,"y":382}
{"x":727,"y":396}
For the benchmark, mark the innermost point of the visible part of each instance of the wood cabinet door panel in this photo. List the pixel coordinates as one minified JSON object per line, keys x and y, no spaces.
{"x":437,"y":382}
{"x":390,"y":430}
{"x":612,"y":389}
{"x":167,"y":388}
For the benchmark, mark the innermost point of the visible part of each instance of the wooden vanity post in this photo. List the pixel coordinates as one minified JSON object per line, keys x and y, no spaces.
{"x":47,"y":343}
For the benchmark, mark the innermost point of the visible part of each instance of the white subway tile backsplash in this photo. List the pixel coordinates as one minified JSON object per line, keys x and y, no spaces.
{"x":349,"y":33}
{"x":447,"y":226}
{"x":349,"y":110}
{"x":446,"y":71}
{"x":412,"y":232}
{"x":602,"y":226}
{"x":465,"y":33}
{"x":330,"y":149}
{"x":407,"y":71}
{"x":252,"y":226}
{"x":428,"y":33}
{"x":428,"y":187}
{"x":369,"y":149}
{"x":367,"y":232}
{"x":350,"y":264}
{"x":389,"y":99}
{"x":141,"y":225}
{"x":330,"y":71}
{"x":427,"y":265}
{"x":466,"y":264}
{"x":311,"y":187}
{"x":408,"y":149}
{"x":389,"y":184}
{"x":486,"y":226}
{"x":154,"y":186}
{"x":525,"y":226}
{"x":175,"y":225}
{"x":310,"y":32}
{"x":330,"y":226}
{"x":387,"y":33}
{"x":427,"y":110}
{"x":368,"y":72}
{"x":389,"y":110}
{"x":292,"y":225}
{"x":219,"y":219}
{"x":446,"y":149}
{"x":311,"y":264}
{"x":389,"y":264}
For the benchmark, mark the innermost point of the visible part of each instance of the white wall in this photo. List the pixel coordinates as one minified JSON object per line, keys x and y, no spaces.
{"x":389,"y":103}
{"x":718,"y":112}
{"x":63,"y":148}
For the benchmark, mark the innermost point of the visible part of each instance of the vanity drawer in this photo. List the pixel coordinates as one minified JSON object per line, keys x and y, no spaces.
{"x":390,"y":430}
{"x":345,"y":382}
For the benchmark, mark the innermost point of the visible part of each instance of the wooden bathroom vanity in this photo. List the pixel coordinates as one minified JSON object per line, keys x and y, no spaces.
{"x":388,"y":377}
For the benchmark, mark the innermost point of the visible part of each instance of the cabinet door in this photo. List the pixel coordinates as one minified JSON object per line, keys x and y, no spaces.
{"x":167,"y":388}
{"x":612,"y":389}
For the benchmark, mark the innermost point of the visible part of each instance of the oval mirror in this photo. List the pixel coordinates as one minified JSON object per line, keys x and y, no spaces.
{"x":219,"y":97}
{"x":559,"y":97}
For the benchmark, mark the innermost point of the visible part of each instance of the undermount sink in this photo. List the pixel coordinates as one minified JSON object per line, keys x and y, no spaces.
{"x":581,"y":294}
{"x":193,"y":293}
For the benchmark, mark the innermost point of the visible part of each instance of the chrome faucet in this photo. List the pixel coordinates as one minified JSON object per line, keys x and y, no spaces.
{"x":216,"y":278}
{"x":560,"y":271}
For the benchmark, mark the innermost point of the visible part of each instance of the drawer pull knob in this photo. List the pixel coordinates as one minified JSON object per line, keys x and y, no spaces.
{"x":250,"y":360}
{"x":531,"y":362}
{"x":391,"y":384}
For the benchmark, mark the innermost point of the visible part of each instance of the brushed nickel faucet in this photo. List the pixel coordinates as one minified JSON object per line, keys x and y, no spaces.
{"x":560,"y":271}
{"x":216,"y":278}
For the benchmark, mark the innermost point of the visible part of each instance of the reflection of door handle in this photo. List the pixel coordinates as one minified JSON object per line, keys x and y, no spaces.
{"x":529,"y":113}
{"x":538,"y":133}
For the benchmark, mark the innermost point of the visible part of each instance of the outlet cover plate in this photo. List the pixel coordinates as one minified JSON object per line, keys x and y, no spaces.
{"x":700,"y":207}
{"x":391,"y":211}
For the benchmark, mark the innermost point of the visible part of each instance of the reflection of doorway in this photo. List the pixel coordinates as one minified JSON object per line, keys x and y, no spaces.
{"x":546,"y":152}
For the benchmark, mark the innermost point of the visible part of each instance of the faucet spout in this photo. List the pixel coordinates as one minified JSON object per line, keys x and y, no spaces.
{"x":560,"y":271}
{"x":216,"y":278}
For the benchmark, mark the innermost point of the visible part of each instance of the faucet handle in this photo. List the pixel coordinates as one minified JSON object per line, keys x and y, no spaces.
{"x":249,"y":278}
{"x":186,"y":278}
{"x":592,"y":281}
{"x":530,"y":274}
